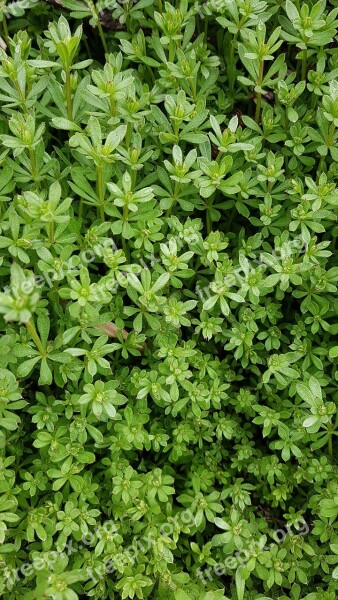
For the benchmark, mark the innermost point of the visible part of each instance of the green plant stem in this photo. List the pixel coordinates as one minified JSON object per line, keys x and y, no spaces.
{"x":208,"y":222}
{"x":193,"y":90}
{"x":124,"y":243}
{"x":125,"y":213}
{"x":330,"y":442}
{"x":100,"y":191}
{"x":112,"y":107}
{"x":21,"y":96}
{"x":159,"y":6}
{"x":99,"y":26}
{"x":171,"y":50}
{"x":259,"y":95}
{"x":5,"y":30}
{"x":68,"y":95}
{"x":33,"y":163}
{"x":36,"y":338}
{"x":128,"y":135}
{"x":320,"y":165}
{"x":133,"y":176}
{"x":125,"y":249}
{"x":206,"y":23}
{"x":231,"y":65}
{"x":175,"y":196}
{"x":51,"y":233}
{"x":102,"y":36}
{"x":304,"y":64}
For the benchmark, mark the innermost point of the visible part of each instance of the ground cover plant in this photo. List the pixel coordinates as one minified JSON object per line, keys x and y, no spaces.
{"x":168,"y":308}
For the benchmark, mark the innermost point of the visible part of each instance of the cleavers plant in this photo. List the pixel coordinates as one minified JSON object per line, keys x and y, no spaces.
{"x":168,"y":301}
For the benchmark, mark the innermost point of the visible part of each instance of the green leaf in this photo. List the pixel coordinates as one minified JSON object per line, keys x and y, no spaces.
{"x":26,"y":367}
{"x":61,"y":123}
{"x":333,"y":352}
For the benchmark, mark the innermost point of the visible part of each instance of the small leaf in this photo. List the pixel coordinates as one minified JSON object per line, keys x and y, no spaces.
{"x":62,"y":123}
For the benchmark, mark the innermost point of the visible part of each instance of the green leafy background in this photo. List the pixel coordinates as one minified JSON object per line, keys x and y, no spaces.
{"x":168,"y":308}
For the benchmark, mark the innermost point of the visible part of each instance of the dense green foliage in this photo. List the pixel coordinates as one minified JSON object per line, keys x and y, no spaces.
{"x":168,"y":309}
